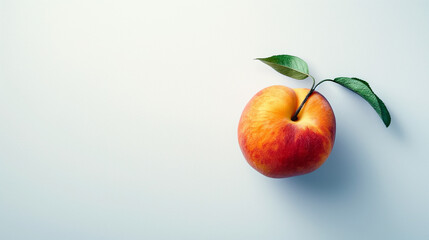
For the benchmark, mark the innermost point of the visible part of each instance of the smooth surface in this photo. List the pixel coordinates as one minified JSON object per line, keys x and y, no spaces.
{"x":279,"y":147}
{"x":119,"y":119}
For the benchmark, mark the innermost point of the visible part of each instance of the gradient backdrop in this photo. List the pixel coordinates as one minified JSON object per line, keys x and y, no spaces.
{"x":119,"y":118}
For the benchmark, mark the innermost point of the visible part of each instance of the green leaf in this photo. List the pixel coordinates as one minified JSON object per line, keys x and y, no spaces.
{"x":288,"y":65}
{"x":362,"y":88}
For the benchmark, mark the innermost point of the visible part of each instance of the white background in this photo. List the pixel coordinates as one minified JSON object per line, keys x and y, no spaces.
{"x":119,"y":119}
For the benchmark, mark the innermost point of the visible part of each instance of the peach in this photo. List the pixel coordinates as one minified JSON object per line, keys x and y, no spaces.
{"x":279,"y":147}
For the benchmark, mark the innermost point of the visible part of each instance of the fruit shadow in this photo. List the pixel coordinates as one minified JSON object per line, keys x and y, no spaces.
{"x":336,"y":176}
{"x":343,"y":186}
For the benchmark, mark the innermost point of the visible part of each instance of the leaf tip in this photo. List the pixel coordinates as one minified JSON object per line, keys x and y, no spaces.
{"x":387,"y":122}
{"x":260,"y":59}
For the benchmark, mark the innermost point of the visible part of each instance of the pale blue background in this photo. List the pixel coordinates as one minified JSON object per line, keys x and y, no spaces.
{"x":118,"y":119}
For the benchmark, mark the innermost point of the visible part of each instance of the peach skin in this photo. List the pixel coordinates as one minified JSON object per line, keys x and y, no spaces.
{"x":279,"y":147}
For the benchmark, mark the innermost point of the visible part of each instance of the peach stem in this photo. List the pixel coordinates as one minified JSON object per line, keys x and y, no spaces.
{"x":295,"y":116}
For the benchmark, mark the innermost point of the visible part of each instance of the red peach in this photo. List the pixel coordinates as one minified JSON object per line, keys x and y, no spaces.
{"x":275,"y":145}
